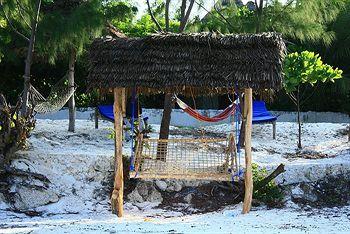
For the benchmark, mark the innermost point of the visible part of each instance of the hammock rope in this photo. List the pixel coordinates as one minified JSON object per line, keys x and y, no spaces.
{"x":132,"y":158}
{"x":59,"y":95}
{"x":230,"y":110}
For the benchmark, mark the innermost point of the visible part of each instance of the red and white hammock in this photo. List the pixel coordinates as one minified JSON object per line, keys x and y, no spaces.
{"x":230,"y":110}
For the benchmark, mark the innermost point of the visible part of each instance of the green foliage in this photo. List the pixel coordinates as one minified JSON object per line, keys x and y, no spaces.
{"x":119,"y":11}
{"x":146,"y":129}
{"x":144,"y":26}
{"x":60,"y":31}
{"x":270,"y":194}
{"x":307,"y":68}
{"x":4,"y":37}
{"x":86,"y":99}
{"x":302,"y":20}
{"x":15,"y":16}
{"x":341,"y":46}
{"x":239,"y":20}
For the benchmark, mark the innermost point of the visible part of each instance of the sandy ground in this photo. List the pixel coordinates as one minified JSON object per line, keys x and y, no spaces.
{"x":76,"y":161}
{"x":230,"y":220}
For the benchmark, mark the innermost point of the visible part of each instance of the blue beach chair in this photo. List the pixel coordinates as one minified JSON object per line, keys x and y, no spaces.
{"x":261,"y":115}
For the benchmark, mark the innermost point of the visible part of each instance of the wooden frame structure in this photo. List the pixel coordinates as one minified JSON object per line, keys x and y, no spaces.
{"x":117,"y":194}
{"x":201,"y":63}
{"x":185,"y":158}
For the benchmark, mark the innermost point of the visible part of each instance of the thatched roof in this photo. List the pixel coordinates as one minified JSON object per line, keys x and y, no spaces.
{"x":175,"y":61}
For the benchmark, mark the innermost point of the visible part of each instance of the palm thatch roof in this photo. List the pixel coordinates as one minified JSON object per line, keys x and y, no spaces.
{"x":178,"y":61}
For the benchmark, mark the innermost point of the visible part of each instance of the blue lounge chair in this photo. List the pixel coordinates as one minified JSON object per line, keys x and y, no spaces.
{"x":262,"y":115}
{"x":106,"y":112}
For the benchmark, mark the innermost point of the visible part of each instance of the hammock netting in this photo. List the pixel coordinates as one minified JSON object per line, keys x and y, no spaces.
{"x":188,"y":158}
{"x":185,"y":158}
{"x":59,"y":95}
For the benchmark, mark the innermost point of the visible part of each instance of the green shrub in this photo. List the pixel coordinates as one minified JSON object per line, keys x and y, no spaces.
{"x":86,"y":100}
{"x":271,"y":194}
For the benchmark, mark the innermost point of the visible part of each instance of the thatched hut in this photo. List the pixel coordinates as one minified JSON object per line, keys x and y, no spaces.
{"x":204,"y":63}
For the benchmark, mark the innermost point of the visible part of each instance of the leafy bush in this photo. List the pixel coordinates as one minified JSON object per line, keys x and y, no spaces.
{"x":86,"y":99}
{"x":271,"y":194}
{"x":14,"y":130}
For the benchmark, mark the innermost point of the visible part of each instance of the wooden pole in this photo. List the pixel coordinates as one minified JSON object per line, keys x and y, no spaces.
{"x":274,"y":130}
{"x":248,"y":180}
{"x":117,"y":194}
{"x":96,"y":117}
{"x":124,"y":102}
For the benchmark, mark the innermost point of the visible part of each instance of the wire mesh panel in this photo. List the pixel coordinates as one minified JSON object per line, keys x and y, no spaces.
{"x":204,"y":158}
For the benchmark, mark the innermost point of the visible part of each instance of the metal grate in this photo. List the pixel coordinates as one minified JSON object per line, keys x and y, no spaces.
{"x":183,"y":158}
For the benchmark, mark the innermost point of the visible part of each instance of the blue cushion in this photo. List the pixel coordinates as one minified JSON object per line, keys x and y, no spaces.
{"x":261,"y":114}
{"x":106,"y":111}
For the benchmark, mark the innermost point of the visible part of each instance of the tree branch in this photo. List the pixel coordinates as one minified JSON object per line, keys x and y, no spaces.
{"x":293,"y":98}
{"x":11,"y":25}
{"x":304,"y":91}
{"x":306,"y":99}
{"x":167,"y":5}
{"x":183,"y":10}
{"x":283,"y":9}
{"x":201,"y":6}
{"x":261,"y":184}
{"x":20,"y":9}
{"x":153,"y":18}
{"x":223,"y":17}
{"x":186,"y":17}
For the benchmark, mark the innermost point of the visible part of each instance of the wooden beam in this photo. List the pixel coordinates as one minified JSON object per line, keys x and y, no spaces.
{"x":117,"y":194}
{"x":274,"y":130}
{"x":248,"y":180}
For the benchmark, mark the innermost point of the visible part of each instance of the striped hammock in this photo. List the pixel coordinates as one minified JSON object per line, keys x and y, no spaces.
{"x":230,"y":110}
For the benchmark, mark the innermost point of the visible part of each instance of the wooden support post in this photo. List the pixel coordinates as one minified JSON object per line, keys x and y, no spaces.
{"x":248,"y":180}
{"x":96,"y":117}
{"x":124,"y":103}
{"x":274,"y":130}
{"x":117,"y":194}
{"x":138,"y":152}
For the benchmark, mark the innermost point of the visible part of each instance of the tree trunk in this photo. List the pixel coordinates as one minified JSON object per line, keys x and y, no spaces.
{"x":164,"y":127}
{"x":299,"y":119}
{"x":28,"y":61}
{"x":259,"y":12}
{"x":168,"y":106}
{"x":71,"y":102}
{"x":168,"y":103}
{"x":167,"y":5}
{"x":185,"y":17}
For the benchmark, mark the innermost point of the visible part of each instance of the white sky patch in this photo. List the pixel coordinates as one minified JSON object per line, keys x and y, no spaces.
{"x":175,"y":4}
